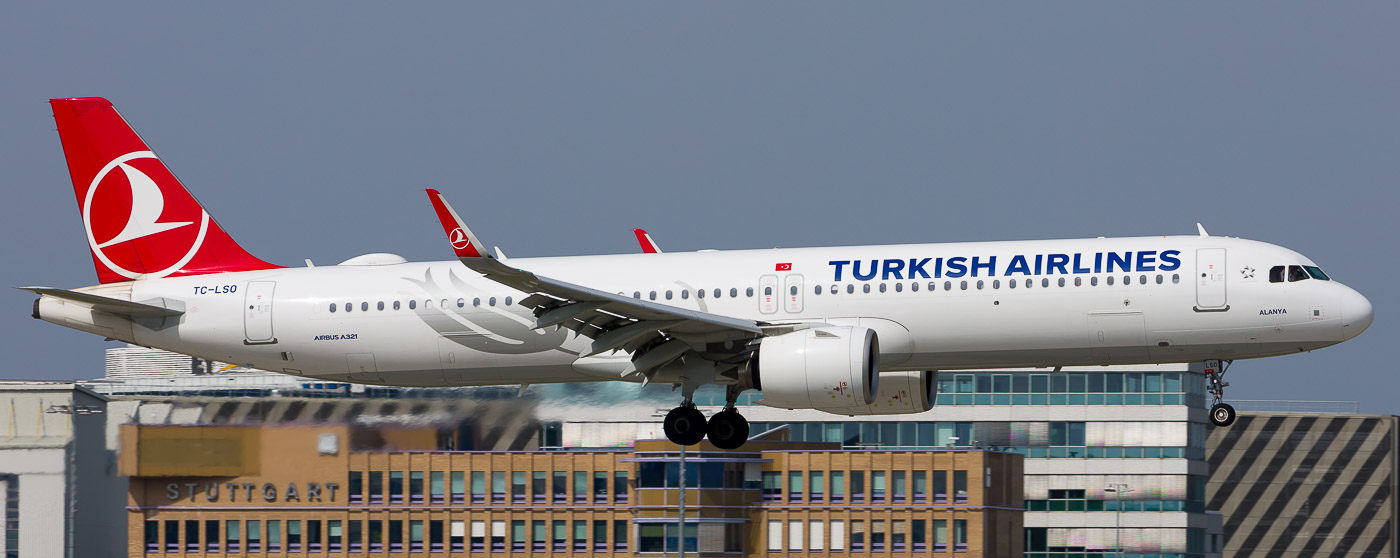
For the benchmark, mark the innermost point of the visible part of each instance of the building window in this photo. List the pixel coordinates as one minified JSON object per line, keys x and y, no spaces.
{"x":620,"y":487}
{"x":600,"y":487}
{"x":794,"y":486}
{"x":959,"y":535}
{"x":920,"y":487}
{"x":478,"y":487}
{"x":561,"y":535}
{"x":920,"y":541}
{"x":415,"y":535}
{"x":795,"y":535}
{"x":294,"y":535}
{"x":940,"y":535}
{"x":396,"y":487}
{"x":395,"y":535}
{"x":435,"y":536}
{"x":254,"y":535}
{"x":517,"y":487}
{"x":211,"y":535}
{"x":376,"y":535}
{"x":415,"y":487}
{"x":498,"y":489}
{"x":620,"y":528}
{"x":940,"y":487}
{"x":772,"y":486}
{"x":334,"y":535}
{"x":817,"y":494}
{"x":478,"y":536}
{"x":600,"y":533}
{"x":561,"y":487}
{"x":857,"y":535}
{"x":838,"y":535}
{"x":857,"y":489}
{"x":838,"y":486}
{"x":959,"y":487}
{"x":877,"y":486}
{"x":459,"y":487}
{"x":517,"y":535}
{"x":435,"y":487}
{"x":355,"y":486}
{"x":539,"y":486}
{"x":152,"y":535}
{"x":580,"y":487}
{"x":356,"y":536}
{"x":539,"y":536}
{"x":457,"y":540}
{"x":898,"y":487}
{"x":580,"y":535}
{"x":877,"y":535}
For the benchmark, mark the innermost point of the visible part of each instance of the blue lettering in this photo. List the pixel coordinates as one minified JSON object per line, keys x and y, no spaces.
{"x":1147,"y":260}
{"x":1056,"y":261}
{"x":1018,"y":265}
{"x":957,"y":267}
{"x":938,"y":268}
{"x":855,"y":270}
{"x":893,"y":267}
{"x":1124,"y":261}
{"x":917,"y":267}
{"x":1098,"y":262}
{"x":1037,"y":263}
{"x":1079,"y":268}
{"x":1170,"y":262}
{"x":990,"y":265}
{"x":839,"y":265}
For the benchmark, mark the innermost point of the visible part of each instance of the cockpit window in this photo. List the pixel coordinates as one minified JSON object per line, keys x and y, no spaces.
{"x":1296,"y":273}
{"x":1276,"y":274}
{"x":1316,"y":272}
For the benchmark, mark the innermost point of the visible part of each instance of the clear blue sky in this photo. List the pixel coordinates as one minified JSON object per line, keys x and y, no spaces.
{"x":310,"y":129}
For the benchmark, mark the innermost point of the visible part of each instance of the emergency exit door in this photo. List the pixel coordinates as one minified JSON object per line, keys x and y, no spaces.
{"x":257,"y":314}
{"x":792,"y":293}
{"x":1210,"y":280}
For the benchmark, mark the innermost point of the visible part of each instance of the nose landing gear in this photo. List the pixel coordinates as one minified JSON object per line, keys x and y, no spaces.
{"x":1221,"y":413}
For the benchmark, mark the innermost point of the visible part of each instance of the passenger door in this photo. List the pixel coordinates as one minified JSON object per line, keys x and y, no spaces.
{"x":768,"y":294}
{"x":1210,"y":280}
{"x":257,"y":317}
{"x":792,"y":293}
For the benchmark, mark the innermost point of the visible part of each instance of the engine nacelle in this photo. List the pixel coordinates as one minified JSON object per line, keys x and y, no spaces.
{"x":900,"y":393}
{"x":828,"y":368}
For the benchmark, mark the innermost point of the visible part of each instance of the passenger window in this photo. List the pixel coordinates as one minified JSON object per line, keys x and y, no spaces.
{"x":1296,"y":273}
{"x":1176,"y":278}
{"x":1276,"y":274}
{"x":717,"y":293}
{"x":428,"y":304}
{"x":1109,"y":279}
{"x":1142,"y":279}
{"x":508,"y":301}
{"x":1062,"y":281}
{"x":637,"y":295}
{"x":914,"y":287}
{"x":932,"y":286}
{"x":1078,"y":282}
{"x":333,"y":307}
{"x":817,"y":289}
{"x":1127,"y":280}
{"x":768,"y":291}
{"x":1044,"y":282}
{"x":866,"y":288}
{"x":364,"y":307}
{"x":396,"y":305}
{"x":381,"y":305}
{"x":964,"y":285}
{"x":734,"y":293}
{"x":349,"y":306}
{"x":685,"y":294}
{"x":833,"y":290}
{"x":748,"y":292}
{"x":882,"y":287}
{"x":1011,"y":283}
{"x":1316,"y":273}
{"x":996,"y":283}
{"x":947,"y":285}
{"x":1029,"y":283}
{"x":979,"y":284}
{"x":491,"y":301}
{"x":652,"y":295}
{"x":699,"y":293}
{"x":1159,"y":279}
{"x":444,"y":303}
{"x":668,"y":295}
{"x":1093,"y":281}
{"x":461,"y":303}
{"x":476,"y":302}
{"x":413,"y":305}
{"x":792,"y":290}
{"x":850,"y":289}
{"x":899,"y":287}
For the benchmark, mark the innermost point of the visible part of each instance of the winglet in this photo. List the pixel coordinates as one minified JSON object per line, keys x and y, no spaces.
{"x":464,"y":243}
{"x":648,"y":245}
{"x":1201,"y":229}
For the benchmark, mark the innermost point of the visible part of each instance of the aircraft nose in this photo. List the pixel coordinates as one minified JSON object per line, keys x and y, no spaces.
{"x":1356,"y":313}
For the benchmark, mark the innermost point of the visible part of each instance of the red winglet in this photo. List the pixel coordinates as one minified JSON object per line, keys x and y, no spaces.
{"x":464,"y":243}
{"x":141,"y":222}
{"x":648,"y":245}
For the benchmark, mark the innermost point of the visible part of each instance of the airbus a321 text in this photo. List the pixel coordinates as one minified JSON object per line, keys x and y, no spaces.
{"x":849,"y":330}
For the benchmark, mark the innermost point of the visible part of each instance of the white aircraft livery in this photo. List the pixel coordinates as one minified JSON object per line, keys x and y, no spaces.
{"x":847,"y":330}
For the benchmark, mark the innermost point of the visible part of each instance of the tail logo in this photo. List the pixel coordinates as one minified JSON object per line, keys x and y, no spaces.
{"x":459,"y":239}
{"x":143,"y":219}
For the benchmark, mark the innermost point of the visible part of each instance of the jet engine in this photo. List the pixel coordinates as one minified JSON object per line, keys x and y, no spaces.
{"x":834,"y":368}
{"x":900,"y":393}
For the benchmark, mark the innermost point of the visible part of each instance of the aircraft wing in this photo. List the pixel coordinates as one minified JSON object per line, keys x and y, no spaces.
{"x":613,"y":321}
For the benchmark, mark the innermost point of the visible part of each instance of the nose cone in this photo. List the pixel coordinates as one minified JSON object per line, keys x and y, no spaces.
{"x":1356,"y":313}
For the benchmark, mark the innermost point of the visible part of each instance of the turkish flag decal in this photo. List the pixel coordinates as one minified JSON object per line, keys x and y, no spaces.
{"x":783,"y":267}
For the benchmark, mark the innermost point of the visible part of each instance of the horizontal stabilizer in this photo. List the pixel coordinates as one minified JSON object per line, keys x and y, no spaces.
{"x":108,"y":305}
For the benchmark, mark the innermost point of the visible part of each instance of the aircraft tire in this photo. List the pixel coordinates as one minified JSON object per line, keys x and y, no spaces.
{"x":685,"y":425}
{"x":728,"y":430}
{"x":1222,"y":415}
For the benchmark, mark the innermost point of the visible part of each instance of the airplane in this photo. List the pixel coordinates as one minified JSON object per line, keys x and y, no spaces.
{"x":849,"y":330}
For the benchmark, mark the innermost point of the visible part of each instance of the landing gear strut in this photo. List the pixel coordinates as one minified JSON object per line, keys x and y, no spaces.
{"x":1221,"y":413}
{"x":728,"y":429}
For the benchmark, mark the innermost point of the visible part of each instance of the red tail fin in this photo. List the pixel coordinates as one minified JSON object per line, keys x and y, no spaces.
{"x":141,"y":222}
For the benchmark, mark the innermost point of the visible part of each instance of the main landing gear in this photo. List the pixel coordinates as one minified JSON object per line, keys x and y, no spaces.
{"x":1221,"y":413}
{"x":686,"y":425}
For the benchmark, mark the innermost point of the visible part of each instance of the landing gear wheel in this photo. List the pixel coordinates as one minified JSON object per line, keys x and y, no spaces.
{"x":1222,"y":414}
{"x":728,"y":429}
{"x":685,"y":425}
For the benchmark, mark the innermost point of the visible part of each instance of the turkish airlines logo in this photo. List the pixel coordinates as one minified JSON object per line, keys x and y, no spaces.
{"x":110,"y":226}
{"x":783,"y":267}
{"x":458,"y":238}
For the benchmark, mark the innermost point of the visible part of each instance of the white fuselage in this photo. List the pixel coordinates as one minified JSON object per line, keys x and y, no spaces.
{"x":1184,"y":298}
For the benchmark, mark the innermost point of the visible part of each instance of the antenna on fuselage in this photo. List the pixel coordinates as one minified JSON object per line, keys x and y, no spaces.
{"x":1202,"y":229}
